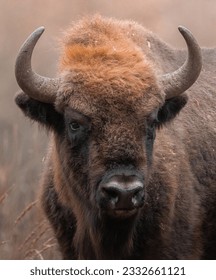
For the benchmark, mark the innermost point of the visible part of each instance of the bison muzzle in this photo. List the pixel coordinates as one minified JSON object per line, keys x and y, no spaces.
{"x":121,"y":192}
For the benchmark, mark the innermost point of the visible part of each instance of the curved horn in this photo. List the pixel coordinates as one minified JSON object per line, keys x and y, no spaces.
{"x":180,"y":80}
{"x":40,"y":88}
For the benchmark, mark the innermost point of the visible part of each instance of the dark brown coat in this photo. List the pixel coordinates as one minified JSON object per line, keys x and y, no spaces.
{"x":109,"y":85}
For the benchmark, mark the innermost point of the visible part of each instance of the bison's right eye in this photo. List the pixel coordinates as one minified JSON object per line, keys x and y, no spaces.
{"x":77,"y":127}
{"x":77,"y":132}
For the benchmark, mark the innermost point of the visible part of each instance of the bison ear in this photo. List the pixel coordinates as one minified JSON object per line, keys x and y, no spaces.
{"x":43,"y":113}
{"x":171,"y":108}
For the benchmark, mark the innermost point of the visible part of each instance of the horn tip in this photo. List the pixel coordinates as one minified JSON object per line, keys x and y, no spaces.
{"x":39,"y":30}
{"x":183,"y":29}
{"x":186,"y":33}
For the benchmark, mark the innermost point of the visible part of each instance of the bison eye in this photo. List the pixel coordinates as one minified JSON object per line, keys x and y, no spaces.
{"x":77,"y":132}
{"x":77,"y":127}
{"x":74,"y":126}
{"x":152,"y":119}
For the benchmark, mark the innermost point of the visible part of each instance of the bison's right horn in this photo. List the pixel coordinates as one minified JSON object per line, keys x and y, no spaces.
{"x":180,"y":80}
{"x":40,"y":88}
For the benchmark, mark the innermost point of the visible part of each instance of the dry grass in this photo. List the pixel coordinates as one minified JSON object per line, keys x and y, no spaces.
{"x":24,"y":232}
{"x":39,"y":243}
{"x":27,"y":240}
{"x":28,"y":208}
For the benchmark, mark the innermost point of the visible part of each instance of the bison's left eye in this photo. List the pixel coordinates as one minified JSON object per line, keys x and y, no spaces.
{"x":74,"y":126}
{"x":152,"y":119}
{"x":151,"y":124}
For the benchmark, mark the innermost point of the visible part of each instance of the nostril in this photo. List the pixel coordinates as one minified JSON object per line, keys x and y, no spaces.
{"x":112,"y":194}
{"x":138,"y":196}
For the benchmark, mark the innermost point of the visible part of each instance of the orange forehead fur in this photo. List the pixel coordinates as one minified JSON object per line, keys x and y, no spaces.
{"x":101,"y":43}
{"x":99,"y":58}
{"x":77,"y":55}
{"x":107,"y":63}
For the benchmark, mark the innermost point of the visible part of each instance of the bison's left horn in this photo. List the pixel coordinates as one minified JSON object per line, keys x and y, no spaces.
{"x":40,"y":88}
{"x":180,"y":80}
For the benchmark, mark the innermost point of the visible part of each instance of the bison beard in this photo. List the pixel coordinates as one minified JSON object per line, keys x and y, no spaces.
{"x":126,"y":176}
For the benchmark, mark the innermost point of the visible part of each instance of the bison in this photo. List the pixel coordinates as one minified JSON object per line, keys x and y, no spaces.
{"x":127,"y":175}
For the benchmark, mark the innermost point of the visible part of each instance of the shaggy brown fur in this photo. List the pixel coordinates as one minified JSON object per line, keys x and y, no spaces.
{"x":109,"y":86}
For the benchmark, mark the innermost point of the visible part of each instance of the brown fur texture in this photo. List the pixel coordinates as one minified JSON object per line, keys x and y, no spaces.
{"x":109,"y":73}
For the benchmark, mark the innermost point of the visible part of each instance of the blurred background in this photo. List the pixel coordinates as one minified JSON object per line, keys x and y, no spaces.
{"x":24,"y":233}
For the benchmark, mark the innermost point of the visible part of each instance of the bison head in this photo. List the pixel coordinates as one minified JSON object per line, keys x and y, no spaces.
{"x":104,"y":110}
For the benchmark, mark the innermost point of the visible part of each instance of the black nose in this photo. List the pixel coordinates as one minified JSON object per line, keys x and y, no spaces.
{"x":122,"y":193}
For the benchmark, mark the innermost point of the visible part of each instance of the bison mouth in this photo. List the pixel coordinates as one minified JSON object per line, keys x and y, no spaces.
{"x":122,"y":213}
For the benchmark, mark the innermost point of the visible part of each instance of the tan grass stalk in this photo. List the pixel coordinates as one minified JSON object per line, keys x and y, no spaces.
{"x":5,"y":194}
{"x":27,"y":209}
{"x":33,"y":253}
{"x":48,"y":246}
{"x":25,"y":244}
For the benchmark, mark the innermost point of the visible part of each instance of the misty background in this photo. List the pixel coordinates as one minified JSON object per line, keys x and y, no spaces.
{"x":24,"y":234}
